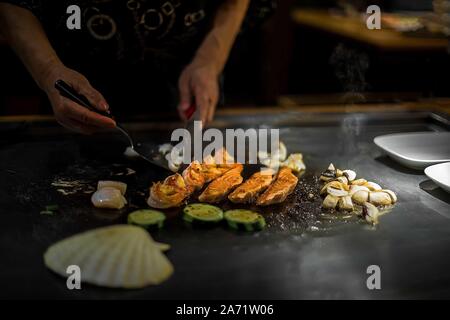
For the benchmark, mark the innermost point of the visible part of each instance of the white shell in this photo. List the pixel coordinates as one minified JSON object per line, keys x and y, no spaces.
{"x":380,"y":198}
{"x":392,"y":195}
{"x":373,"y":186}
{"x":331,"y":167}
{"x":325,"y":179}
{"x":122,"y":187}
{"x":271,"y":163}
{"x":109,"y":198}
{"x":359,"y":182}
{"x":119,"y":256}
{"x":165,"y":148}
{"x":345,"y":203}
{"x":131,"y":153}
{"x":294,"y":162}
{"x":350,"y":174}
{"x":330,"y":202}
{"x":263,"y":155}
{"x":335,"y":184}
{"x":360,"y":197}
{"x":281,"y":153}
{"x":371,"y":213}
{"x":356,"y":188}
{"x":336,"y":192}
{"x":173,"y":167}
{"x":342,"y":179}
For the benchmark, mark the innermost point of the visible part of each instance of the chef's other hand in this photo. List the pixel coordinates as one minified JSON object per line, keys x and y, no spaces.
{"x":70,"y":114}
{"x":198,"y":83}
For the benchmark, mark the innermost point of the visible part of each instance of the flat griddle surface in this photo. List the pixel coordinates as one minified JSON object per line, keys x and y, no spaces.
{"x":296,"y":257}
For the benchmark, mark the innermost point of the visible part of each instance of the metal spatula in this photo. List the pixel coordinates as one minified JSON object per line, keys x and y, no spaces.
{"x":146,"y":151}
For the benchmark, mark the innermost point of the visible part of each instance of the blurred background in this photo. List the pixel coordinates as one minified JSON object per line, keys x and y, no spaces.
{"x":311,"y":52}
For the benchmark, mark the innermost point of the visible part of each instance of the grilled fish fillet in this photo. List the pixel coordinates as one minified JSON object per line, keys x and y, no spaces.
{"x":251,"y":188}
{"x":214,"y":167}
{"x":218,"y":189}
{"x":212,"y":171}
{"x":278,"y":191}
{"x":170,"y":193}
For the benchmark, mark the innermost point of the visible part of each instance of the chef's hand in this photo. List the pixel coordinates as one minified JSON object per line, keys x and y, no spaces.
{"x":68,"y":113}
{"x":198,"y":83}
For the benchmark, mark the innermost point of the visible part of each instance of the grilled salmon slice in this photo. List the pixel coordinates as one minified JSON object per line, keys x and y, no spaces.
{"x":278,"y":191}
{"x":219,"y":188}
{"x":251,"y":188}
{"x":169,"y":193}
{"x":214,"y":167}
{"x":212,"y":171}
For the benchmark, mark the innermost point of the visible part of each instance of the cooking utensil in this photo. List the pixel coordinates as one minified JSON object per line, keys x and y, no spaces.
{"x":147,"y":152}
{"x":192,"y":114}
{"x":416,"y":150}
{"x":440,"y":174}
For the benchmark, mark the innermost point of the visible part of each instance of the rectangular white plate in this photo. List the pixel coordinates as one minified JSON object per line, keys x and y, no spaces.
{"x":440,"y":174}
{"x":416,"y":150}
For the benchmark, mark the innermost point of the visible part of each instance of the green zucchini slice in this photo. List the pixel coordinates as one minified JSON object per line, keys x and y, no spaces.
{"x":200,"y":212}
{"x":241,"y":219}
{"x":147,"y":218}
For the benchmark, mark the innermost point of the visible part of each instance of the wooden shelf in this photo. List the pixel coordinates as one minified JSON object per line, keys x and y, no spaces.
{"x":354,"y":28}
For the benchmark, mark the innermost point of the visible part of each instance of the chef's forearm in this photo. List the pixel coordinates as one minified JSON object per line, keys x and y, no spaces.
{"x":216,"y":46}
{"x":24,"y":33}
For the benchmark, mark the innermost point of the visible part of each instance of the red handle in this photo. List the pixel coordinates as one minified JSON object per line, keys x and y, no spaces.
{"x":189,"y":111}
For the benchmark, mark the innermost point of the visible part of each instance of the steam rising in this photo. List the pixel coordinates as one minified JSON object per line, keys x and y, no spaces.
{"x":350,"y":67}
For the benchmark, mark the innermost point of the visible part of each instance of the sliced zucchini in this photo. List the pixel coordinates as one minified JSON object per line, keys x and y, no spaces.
{"x":47,"y":212}
{"x":52,"y":207}
{"x":147,"y":218}
{"x":241,"y":219}
{"x":204,"y":213}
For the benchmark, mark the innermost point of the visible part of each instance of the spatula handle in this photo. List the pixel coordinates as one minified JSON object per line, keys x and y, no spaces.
{"x":189,"y":111}
{"x":68,"y":92}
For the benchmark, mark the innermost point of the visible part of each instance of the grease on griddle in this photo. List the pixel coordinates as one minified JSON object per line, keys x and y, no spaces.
{"x":300,"y":210}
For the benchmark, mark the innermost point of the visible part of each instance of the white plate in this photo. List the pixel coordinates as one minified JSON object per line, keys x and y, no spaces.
{"x":416,"y":150}
{"x":440,"y":174}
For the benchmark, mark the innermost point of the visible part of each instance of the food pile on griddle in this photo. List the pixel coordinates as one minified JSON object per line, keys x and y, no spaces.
{"x":218,"y":178}
{"x":343,"y":192}
{"x":263,"y":188}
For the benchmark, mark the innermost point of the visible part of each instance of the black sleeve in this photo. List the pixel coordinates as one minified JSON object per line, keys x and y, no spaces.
{"x":35,"y":6}
{"x":258,"y":12}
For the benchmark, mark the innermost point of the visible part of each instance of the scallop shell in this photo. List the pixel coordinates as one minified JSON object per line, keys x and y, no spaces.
{"x":356,"y":188}
{"x":334,"y":184}
{"x":370,"y":213}
{"x":392,"y":195}
{"x":119,"y":256}
{"x":343,"y":180}
{"x":330,"y":202}
{"x":350,"y":174}
{"x":346,"y":203}
{"x":295,"y":162}
{"x":373,"y":186}
{"x":380,"y":198}
{"x":281,"y":153}
{"x":359,"y":182}
{"x":337,"y":192}
{"x":360,"y":197}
